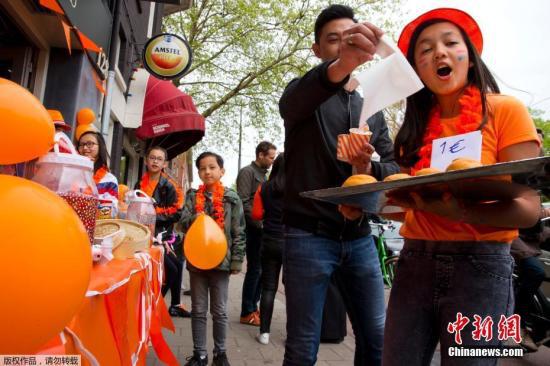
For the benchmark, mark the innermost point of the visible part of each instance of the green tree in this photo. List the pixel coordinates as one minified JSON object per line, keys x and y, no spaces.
{"x":544,"y":125}
{"x":246,"y":51}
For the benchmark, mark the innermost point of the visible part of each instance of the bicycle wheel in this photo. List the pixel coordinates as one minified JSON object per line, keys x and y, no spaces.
{"x":390,"y":264}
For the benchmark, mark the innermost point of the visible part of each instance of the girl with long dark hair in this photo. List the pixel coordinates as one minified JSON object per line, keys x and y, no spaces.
{"x":456,"y":262}
{"x":92,"y":145}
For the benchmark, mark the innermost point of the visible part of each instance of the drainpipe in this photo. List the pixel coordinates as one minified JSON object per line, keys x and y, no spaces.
{"x":106,"y":111}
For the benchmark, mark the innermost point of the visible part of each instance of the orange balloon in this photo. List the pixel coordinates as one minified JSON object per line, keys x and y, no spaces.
{"x":45,"y":265}
{"x":205,"y":244}
{"x":84,"y":120}
{"x":26,"y":128}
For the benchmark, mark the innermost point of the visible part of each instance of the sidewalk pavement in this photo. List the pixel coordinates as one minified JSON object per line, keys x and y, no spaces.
{"x":244,"y":350}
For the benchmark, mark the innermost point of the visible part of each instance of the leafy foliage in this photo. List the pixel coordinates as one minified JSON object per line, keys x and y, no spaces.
{"x":544,"y":125}
{"x":245,"y":52}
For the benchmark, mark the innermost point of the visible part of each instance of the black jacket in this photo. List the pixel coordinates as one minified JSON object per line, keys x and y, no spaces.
{"x":315,"y":112}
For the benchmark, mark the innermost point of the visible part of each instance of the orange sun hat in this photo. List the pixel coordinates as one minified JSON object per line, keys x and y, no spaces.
{"x":58,"y":120}
{"x":459,"y":18}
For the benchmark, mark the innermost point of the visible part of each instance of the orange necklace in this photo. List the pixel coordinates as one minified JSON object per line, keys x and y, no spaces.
{"x":100,"y":173}
{"x":217,"y":202}
{"x":469,"y":121}
{"x":147,"y":185}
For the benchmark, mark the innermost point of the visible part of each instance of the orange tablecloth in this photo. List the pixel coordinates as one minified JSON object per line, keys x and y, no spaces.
{"x":123,"y":311}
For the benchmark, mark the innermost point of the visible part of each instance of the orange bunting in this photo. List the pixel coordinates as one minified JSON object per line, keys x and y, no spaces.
{"x":87,"y":43}
{"x":98,"y":82}
{"x":67,"y":30}
{"x":53,"y":5}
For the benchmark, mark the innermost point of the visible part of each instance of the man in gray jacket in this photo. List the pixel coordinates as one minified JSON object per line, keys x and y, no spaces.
{"x":248,"y":180}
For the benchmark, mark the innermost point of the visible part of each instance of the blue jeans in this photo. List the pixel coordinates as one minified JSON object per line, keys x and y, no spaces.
{"x":252,"y":286}
{"x":434,"y":281}
{"x":308,"y":264}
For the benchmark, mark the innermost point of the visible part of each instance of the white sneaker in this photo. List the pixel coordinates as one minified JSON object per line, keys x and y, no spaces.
{"x":263,"y":338}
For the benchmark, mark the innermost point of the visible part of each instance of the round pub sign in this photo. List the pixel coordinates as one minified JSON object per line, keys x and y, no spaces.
{"x":167,"y":56}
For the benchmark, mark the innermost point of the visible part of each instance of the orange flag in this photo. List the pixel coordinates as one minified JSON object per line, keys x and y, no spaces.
{"x":52,"y":5}
{"x":98,"y":82}
{"x":87,"y":43}
{"x":67,"y":30}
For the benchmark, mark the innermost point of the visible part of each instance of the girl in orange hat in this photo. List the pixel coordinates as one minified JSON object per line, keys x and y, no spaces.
{"x":455,"y":272}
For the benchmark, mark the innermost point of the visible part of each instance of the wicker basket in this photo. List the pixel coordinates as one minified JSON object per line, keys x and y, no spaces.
{"x":137,"y":238}
{"x":109,"y":228}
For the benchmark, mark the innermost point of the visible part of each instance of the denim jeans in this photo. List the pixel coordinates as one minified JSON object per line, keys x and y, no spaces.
{"x":272,"y":260}
{"x":216,"y":284}
{"x":308,"y":264}
{"x":252,"y":285}
{"x":435,"y":281}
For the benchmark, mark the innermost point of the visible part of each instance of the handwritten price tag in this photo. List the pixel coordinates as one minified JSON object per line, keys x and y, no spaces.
{"x":446,"y":149}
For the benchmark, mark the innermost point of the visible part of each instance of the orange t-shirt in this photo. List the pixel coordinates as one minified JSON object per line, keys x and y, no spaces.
{"x":509,"y":124}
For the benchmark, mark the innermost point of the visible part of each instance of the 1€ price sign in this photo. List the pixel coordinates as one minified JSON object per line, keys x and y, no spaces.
{"x":447,"y":149}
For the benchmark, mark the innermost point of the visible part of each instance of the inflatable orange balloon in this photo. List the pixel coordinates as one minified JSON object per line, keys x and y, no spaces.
{"x":26,"y":128}
{"x":45,"y":264}
{"x":205,"y":244}
{"x":84,"y":122}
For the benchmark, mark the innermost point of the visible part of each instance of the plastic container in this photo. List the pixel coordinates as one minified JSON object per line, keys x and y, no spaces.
{"x":70,"y":175}
{"x":141,"y":209}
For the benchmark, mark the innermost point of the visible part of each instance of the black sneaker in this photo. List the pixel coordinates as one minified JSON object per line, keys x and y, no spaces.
{"x":220,"y":360}
{"x":197,"y":360}
{"x":177,"y":310}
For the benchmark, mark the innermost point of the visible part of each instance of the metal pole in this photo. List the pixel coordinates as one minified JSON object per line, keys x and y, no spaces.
{"x":240,"y":136}
{"x":106,"y":111}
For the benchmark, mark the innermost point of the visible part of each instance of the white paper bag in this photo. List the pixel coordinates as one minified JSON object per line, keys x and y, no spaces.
{"x":387,"y":82}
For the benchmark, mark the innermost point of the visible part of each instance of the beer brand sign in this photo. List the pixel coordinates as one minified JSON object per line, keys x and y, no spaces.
{"x":167,"y":56}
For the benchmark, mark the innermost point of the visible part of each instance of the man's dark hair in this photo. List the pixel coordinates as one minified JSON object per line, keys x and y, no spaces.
{"x":330,"y":13}
{"x":206,"y":154}
{"x":264,"y":147}
{"x":540,"y":132}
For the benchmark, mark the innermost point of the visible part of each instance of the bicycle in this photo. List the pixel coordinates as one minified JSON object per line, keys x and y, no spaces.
{"x":388,"y":250}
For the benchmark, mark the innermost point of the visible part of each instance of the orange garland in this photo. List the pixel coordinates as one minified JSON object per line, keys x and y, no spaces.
{"x":148,"y":186}
{"x":470,"y":120}
{"x":100,"y":173}
{"x":217,"y":202}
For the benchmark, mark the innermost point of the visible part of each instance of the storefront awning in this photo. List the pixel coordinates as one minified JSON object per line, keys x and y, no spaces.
{"x":170,"y":119}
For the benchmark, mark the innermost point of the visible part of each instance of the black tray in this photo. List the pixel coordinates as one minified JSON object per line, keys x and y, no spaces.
{"x":481,"y":184}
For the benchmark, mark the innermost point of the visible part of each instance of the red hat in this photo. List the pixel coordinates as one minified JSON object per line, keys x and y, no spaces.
{"x":458,"y":17}
{"x":58,"y":120}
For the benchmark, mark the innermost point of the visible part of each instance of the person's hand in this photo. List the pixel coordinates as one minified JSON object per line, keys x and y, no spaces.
{"x":169,"y":250}
{"x":235,"y":271}
{"x":545,"y":212}
{"x":358,"y":45}
{"x":349,"y":212}
{"x":362,"y":161}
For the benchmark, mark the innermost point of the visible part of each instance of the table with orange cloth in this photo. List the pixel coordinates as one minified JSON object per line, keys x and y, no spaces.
{"x":123,"y":311}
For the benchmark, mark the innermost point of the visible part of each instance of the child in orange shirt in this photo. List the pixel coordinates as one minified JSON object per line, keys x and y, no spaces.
{"x":456,"y":259}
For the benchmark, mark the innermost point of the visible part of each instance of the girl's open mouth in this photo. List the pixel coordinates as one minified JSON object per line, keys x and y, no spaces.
{"x":444,"y":72}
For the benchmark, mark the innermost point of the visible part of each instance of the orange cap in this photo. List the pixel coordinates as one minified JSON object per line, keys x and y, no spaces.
{"x":458,"y":17}
{"x":58,"y":120}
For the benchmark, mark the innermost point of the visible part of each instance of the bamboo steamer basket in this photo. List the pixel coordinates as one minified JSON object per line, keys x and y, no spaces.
{"x":137,"y":238}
